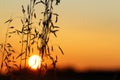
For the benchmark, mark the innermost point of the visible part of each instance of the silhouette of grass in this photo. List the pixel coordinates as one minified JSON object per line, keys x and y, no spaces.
{"x":32,"y":36}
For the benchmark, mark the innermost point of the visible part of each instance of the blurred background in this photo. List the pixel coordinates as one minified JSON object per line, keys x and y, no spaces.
{"x":89,"y":33}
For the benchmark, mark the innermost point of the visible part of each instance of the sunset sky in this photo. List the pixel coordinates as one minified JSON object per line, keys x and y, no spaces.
{"x":89,"y":33}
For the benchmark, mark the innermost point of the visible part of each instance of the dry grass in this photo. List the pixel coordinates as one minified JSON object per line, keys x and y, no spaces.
{"x":33,"y":36}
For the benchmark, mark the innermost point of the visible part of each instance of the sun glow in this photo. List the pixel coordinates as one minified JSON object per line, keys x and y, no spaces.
{"x":35,"y":62}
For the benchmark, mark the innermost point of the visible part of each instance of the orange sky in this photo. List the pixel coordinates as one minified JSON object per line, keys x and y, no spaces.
{"x":89,"y":34}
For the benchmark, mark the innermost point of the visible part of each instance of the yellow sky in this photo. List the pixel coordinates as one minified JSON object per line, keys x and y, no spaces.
{"x":89,"y":34}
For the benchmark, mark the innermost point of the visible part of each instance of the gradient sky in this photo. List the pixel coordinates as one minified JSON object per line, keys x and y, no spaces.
{"x":89,"y":34}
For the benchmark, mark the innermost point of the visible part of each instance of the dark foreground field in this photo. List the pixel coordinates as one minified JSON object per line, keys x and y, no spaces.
{"x":66,"y":74}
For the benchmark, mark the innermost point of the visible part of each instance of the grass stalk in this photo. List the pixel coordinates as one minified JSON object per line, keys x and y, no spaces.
{"x":41,"y":38}
{"x":3,"y":52}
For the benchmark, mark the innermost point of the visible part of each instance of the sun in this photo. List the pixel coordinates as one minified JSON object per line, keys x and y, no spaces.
{"x":35,"y":62}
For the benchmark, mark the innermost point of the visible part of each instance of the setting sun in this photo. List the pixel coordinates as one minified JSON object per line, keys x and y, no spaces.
{"x":35,"y":61}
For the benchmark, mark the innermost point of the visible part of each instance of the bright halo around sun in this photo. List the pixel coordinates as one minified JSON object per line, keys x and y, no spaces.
{"x":35,"y":62}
